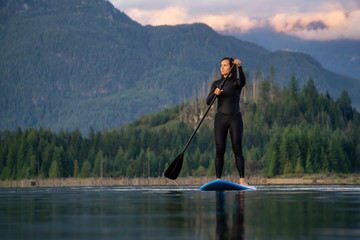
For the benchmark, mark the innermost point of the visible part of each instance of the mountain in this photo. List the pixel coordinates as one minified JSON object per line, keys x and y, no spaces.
{"x":341,"y":56}
{"x":67,"y":64}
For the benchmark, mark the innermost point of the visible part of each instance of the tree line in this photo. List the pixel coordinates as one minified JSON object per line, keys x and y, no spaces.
{"x":286,"y":130}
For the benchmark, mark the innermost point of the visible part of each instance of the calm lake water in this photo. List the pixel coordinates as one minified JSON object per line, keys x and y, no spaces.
{"x":178,"y":212}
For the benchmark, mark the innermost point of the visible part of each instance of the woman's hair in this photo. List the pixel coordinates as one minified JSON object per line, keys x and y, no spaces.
{"x":234,"y":70}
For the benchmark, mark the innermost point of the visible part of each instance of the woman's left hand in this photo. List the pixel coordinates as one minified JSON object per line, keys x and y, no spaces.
{"x":237,"y":62}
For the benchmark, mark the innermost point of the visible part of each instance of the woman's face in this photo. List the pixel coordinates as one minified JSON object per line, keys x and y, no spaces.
{"x":225,"y":67}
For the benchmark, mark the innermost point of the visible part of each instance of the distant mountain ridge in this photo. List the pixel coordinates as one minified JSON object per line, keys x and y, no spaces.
{"x":341,"y":56}
{"x":68,"y":64}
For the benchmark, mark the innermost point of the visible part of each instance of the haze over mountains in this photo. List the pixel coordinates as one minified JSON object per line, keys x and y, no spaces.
{"x":340,"y":56}
{"x":68,"y":64}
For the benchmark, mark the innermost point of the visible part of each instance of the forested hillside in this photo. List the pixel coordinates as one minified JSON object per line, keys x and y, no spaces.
{"x":68,"y":64}
{"x":287,"y":130}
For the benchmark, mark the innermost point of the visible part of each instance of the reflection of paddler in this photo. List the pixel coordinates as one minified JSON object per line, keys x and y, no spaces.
{"x":221,"y":218}
{"x":223,"y":230}
{"x":238,"y":228}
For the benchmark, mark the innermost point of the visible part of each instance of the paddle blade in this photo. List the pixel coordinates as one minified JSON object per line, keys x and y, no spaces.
{"x":174,"y":169}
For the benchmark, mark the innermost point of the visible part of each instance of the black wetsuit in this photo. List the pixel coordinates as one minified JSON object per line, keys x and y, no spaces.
{"x":228,"y":118}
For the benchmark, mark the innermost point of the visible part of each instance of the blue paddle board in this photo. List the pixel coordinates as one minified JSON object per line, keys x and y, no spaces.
{"x":222,"y":185}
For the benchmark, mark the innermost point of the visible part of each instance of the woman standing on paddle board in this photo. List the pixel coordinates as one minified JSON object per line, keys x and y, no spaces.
{"x":228,"y":116}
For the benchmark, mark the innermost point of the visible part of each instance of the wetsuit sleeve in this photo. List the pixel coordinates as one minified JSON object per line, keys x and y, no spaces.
{"x":211,"y":93}
{"x":240,"y":82}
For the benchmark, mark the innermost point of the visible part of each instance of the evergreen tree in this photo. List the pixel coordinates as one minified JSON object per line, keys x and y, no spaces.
{"x":141,"y":164}
{"x":325,"y":162}
{"x":130,"y":170}
{"x":58,"y":156}
{"x":264,"y":94}
{"x":151,"y":163}
{"x":9,"y":172}
{"x":46,"y":157}
{"x":272,"y":163}
{"x":211,"y":170}
{"x":20,"y":162}
{"x":334,"y":155}
{"x":294,"y":87}
{"x":299,"y":168}
{"x":91,"y":157}
{"x":33,"y":168}
{"x":119,"y":161}
{"x":288,"y":168}
{"x":98,"y":164}
{"x":86,"y":169}
{"x":54,"y":171}
{"x":309,"y":161}
{"x":76,"y":169}
{"x":284,"y":154}
{"x":344,"y":103}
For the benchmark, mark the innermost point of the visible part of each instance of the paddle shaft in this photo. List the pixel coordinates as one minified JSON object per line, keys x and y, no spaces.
{"x":206,"y":112}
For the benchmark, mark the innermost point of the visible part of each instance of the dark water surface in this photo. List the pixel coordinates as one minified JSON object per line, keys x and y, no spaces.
{"x":178,"y":212}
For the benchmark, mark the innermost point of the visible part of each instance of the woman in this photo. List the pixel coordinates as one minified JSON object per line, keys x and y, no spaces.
{"x":228,"y":116}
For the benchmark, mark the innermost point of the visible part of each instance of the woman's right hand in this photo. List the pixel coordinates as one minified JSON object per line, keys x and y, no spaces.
{"x":218,"y":91}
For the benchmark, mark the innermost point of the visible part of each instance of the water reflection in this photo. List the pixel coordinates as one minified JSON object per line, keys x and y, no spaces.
{"x":300,"y":212}
{"x":230,"y":219}
{"x":175,"y":207}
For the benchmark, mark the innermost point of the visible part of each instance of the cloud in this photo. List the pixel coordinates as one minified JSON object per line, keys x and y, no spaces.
{"x":173,"y":15}
{"x":169,"y":16}
{"x":319,"y":25}
{"x":320,"y":20}
{"x":231,"y":23}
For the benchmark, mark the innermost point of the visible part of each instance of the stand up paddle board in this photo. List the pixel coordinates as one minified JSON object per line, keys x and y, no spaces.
{"x":221,"y":185}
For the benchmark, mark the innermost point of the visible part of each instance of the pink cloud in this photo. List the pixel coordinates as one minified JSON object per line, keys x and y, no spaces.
{"x":320,"y":20}
{"x":319,"y":25}
{"x":177,"y":15}
{"x":169,"y":16}
{"x":231,"y":22}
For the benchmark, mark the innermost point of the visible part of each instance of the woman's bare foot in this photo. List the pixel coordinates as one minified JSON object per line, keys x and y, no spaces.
{"x":242,"y":182}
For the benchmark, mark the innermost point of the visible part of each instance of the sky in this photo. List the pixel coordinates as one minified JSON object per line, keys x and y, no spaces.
{"x":307,"y":19}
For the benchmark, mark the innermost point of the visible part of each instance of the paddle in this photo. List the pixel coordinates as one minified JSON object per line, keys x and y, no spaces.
{"x":174,"y":169}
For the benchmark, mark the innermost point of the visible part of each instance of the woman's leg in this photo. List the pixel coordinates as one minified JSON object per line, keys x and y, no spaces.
{"x":236,"y":132}
{"x":220,"y":129}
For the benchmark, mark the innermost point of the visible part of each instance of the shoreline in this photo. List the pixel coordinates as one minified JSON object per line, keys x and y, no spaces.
{"x":348,"y":179}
